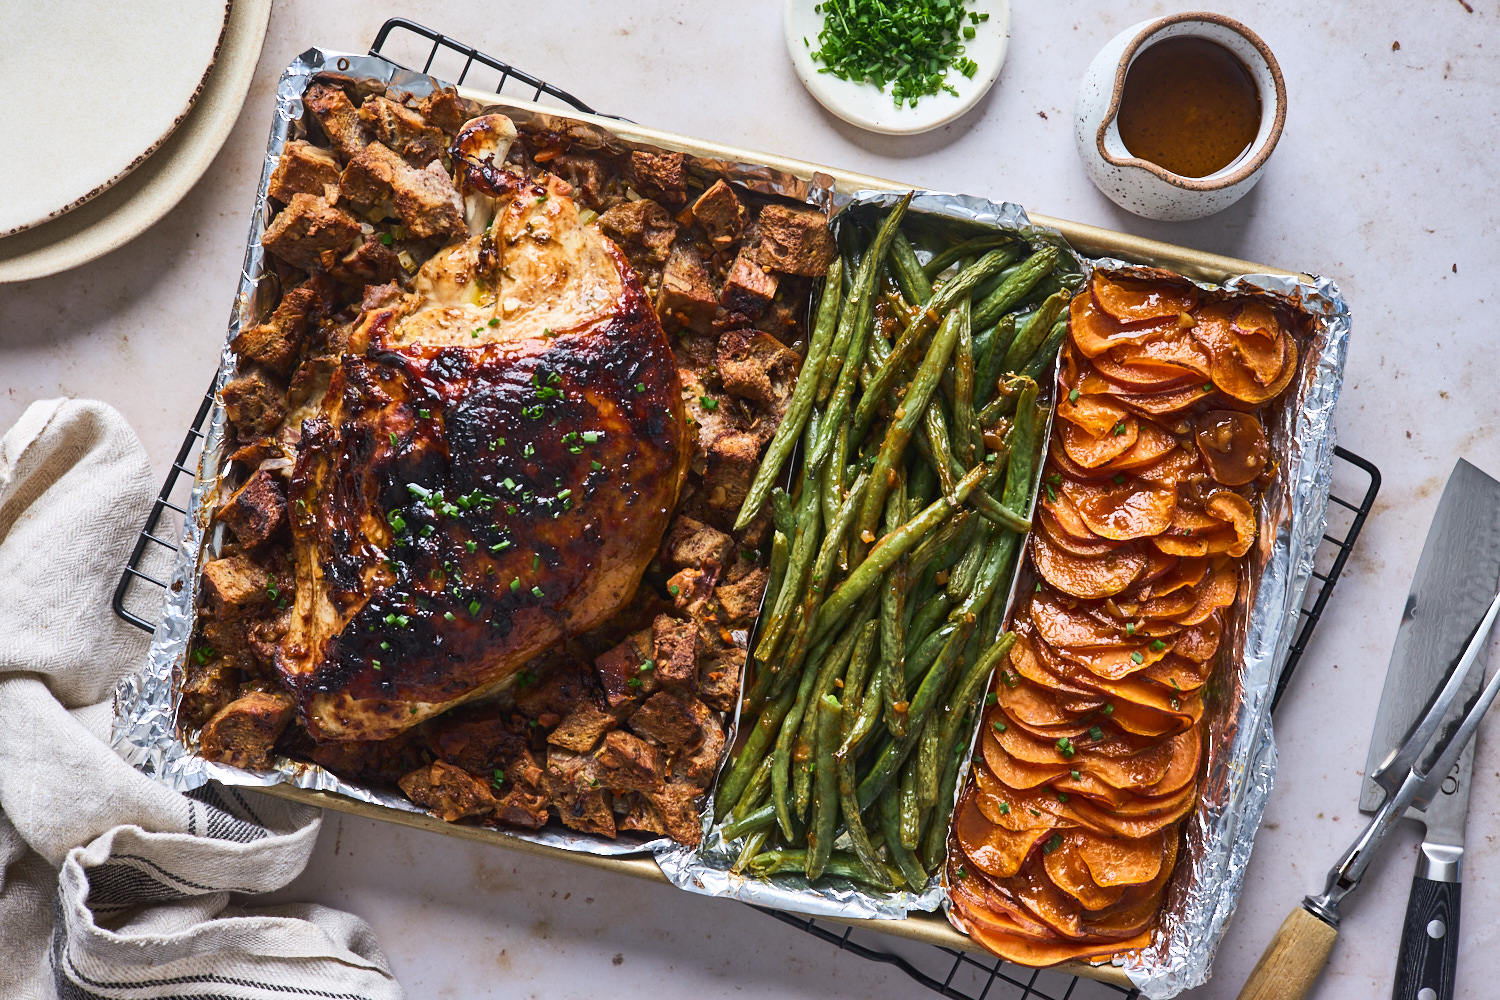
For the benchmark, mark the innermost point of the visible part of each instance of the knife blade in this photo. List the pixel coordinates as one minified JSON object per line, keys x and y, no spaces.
{"x":1459,"y":567}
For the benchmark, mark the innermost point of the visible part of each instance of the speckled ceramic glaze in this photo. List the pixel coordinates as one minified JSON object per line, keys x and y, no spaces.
{"x":1140,"y":186}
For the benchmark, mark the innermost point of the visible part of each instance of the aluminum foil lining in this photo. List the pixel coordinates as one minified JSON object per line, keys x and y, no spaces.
{"x":1241,"y":754}
{"x":145,"y":731}
{"x":707,"y":868}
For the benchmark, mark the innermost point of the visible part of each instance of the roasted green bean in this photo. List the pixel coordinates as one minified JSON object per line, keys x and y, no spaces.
{"x":1014,"y":288}
{"x":826,"y":799}
{"x":799,"y":407}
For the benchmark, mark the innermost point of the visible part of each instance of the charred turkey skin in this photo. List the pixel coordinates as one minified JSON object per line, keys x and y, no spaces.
{"x":492,"y":468}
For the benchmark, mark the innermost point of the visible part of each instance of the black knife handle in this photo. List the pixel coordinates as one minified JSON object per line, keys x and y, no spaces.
{"x":1429,"y":942}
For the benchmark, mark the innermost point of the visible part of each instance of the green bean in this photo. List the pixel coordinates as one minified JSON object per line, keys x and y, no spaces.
{"x":997,"y":513}
{"x":928,"y":766}
{"x":759,"y":786}
{"x":889,"y":811}
{"x":925,"y":652}
{"x":921,"y":489}
{"x":852,"y":822}
{"x":911,"y":410}
{"x":783,"y":512}
{"x":911,"y":816}
{"x":932,"y":313}
{"x":1012,"y":289}
{"x":843,"y":393}
{"x":893,"y":648}
{"x":800,"y":405}
{"x":936,"y":434}
{"x":869,"y":711}
{"x":890,"y":548}
{"x":963,"y":391}
{"x":786,"y":735}
{"x":840,"y":864}
{"x":823,"y":569}
{"x":781,"y":552}
{"x":987,"y":374}
{"x":753,"y":845}
{"x":915,"y":284}
{"x":765,"y":730}
{"x":943,"y":548}
{"x":926,"y":619}
{"x":1037,"y":327}
{"x":939,"y":263}
{"x":969,"y":685}
{"x":849,"y":313}
{"x":857,"y":674}
{"x":935,"y":837}
{"x":830,"y":668}
{"x":1023,"y":445}
{"x":1047,"y":352}
{"x":966,"y":571}
{"x":928,"y":693}
{"x":799,"y":565}
{"x":833,"y":477}
{"x":826,"y":799}
{"x":761,"y":819}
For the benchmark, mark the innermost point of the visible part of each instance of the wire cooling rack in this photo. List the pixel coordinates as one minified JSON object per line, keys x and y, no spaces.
{"x":946,"y":971}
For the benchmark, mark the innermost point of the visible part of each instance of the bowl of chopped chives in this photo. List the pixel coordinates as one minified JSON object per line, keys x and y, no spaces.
{"x":899,"y":66}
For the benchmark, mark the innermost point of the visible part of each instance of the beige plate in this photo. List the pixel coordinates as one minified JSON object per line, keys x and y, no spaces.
{"x":143,"y":196}
{"x":929,"y":928}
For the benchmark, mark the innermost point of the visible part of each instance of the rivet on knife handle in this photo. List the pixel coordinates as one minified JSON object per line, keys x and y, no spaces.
{"x":1291,"y":962}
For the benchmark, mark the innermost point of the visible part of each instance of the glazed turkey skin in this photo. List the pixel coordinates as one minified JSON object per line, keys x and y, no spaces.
{"x":492,"y":467}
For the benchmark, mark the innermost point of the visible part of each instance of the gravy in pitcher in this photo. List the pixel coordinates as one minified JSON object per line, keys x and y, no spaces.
{"x":1189,"y":106}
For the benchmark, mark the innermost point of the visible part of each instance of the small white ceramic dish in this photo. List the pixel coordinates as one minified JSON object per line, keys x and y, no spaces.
{"x":140,"y":199}
{"x":863,"y":105}
{"x":92,"y":89}
{"x":1141,"y":186}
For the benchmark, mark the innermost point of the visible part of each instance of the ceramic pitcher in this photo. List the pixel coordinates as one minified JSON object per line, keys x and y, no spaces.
{"x":1145,"y":188}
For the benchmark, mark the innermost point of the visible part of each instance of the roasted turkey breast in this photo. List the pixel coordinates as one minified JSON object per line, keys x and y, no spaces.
{"x":492,"y":467}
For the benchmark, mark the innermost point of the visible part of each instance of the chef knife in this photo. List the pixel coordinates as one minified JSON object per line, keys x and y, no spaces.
{"x":1462,"y":545}
{"x":1458,"y":569}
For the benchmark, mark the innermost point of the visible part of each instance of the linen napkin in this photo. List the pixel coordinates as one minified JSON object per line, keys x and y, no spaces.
{"x":110,"y":884}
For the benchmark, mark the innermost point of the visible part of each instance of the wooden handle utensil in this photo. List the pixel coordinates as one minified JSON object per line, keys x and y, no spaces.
{"x":1291,"y":962}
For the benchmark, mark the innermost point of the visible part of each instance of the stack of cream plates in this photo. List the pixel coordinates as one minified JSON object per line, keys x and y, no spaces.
{"x":113,"y":112}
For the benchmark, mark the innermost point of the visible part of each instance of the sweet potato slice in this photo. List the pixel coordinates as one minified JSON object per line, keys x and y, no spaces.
{"x":1236,"y":510}
{"x":1187,"y":755}
{"x":1172,"y":468}
{"x":1139,"y":770}
{"x":1152,"y":444}
{"x":1149,"y":722}
{"x":1033,"y":705}
{"x":1014,"y":773}
{"x":1200,"y":642}
{"x":1233,"y":446}
{"x":1257,"y":318}
{"x":1093,"y":450}
{"x":1042,"y":666}
{"x":1236,"y":378}
{"x":1061,"y":625}
{"x":1260,"y":358}
{"x":1175,"y":352}
{"x":1069,"y":873}
{"x":1133,"y":508}
{"x":1131,"y":300}
{"x":1121,"y":366}
{"x":1017,"y":810}
{"x":980,"y":903}
{"x":1086,"y":576}
{"x":1027,"y":747}
{"x":1113,"y":862}
{"x":1041,"y":954}
{"x":1095,"y":331}
{"x":992,"y":849}
{"x":1116,"y":662}
{"x":1216,"y":591}
{"x":1049,"y":525}
{"x":1053,"y":907}
{"x":1097,"y":414}
{"x":1166,"y":813}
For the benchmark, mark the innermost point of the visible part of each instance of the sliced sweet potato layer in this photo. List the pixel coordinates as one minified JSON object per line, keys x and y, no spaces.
{"x":1236,"y":510}
{"x":992,"y":849}
{"x":1095,"y":331}
{"x":1041,"y":954}
{"x":1152,"y":444}
{"x":1256,"y":318}
{"x":1068,"y":872}
{"x":1116,"y":862}
{"x":1132,"y":301}
{"x":1092,"y":450}
{"x":1233,"y":446}
{"x":1120,"y":365}
{"x":1048,"y":524}
{"x":1096,"y":576}
{"x":1123,"y":508}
